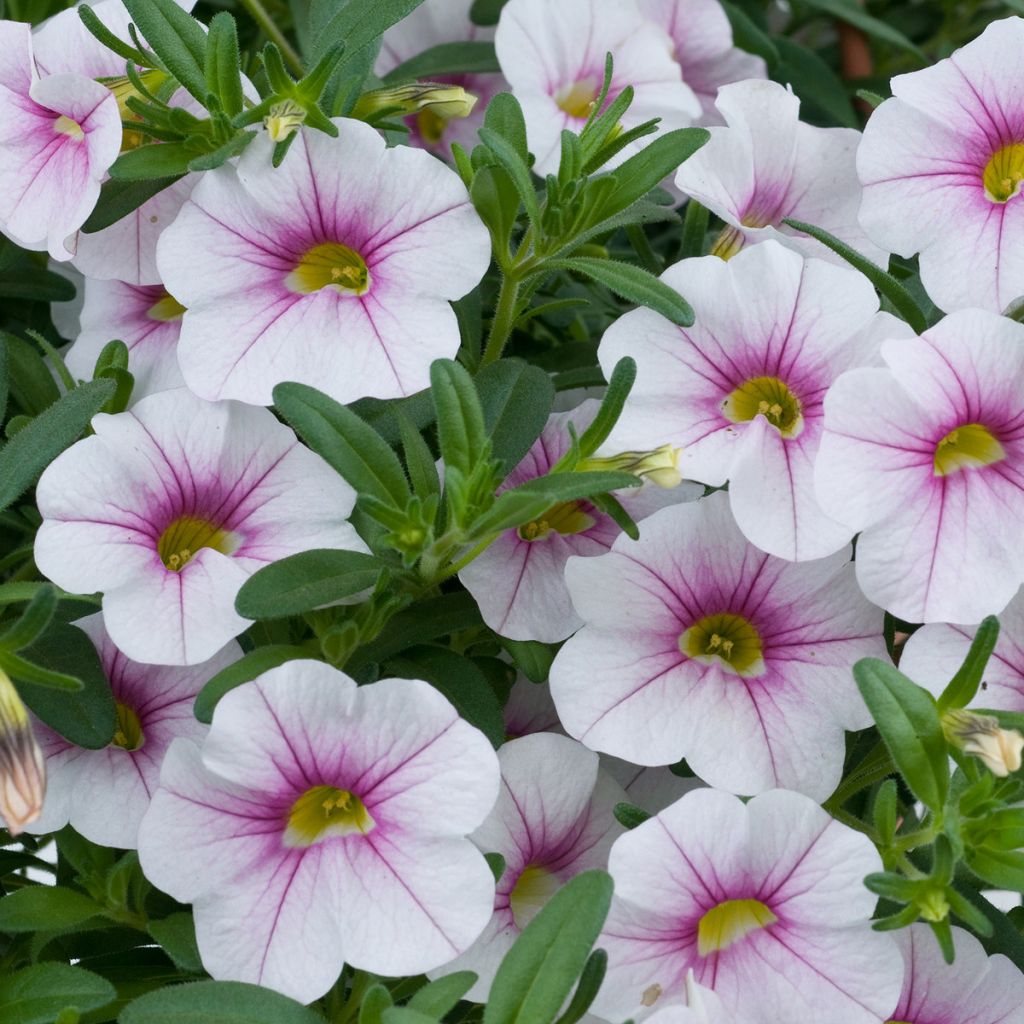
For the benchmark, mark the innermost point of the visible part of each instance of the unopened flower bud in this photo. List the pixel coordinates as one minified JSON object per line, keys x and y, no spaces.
{"x":284,"y":118}
{"x":660,"y":466}
{"x":981,"y":736}
{"x":22,"y":768}
{"x":443,"y":101}
{"x":933,"y":905}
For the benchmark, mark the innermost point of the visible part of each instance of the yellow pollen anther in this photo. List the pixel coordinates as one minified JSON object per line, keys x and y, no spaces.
{"x":729,"y":922}
{"x":970,"y":446}
{"x":128,"y":732}
{"x":69,"y":127}
{"x":1004,"y":173}
{"x":185,"y":536}
{"x":769,"y":397}
{"x":325,"y":811}
{"x":565,"y":518}
{"x":330,"y":265}
{"x":577,"y":100}
{"x":730,"y":641}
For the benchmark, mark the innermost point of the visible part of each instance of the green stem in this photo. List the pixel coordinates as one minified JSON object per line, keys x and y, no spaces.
{"x":56,"y":360}
{"x":504,"y":318}
{"x":461,"y":564}
{"x":259,"y":14}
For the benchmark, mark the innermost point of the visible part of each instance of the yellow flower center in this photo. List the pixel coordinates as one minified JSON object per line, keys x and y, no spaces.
{"x":1004,"y":173}
{"x":325,"y":811}
{"x":123,"y":89}
{"x":729,"y":242}
{"x":186,"y":535}
{"x":69,"y":127}
{"x":968,"y":447}
{"x":533,"y":888}
{"x":565,"y":518}
{"x":578,"y":99}
{"x":431,"y":124}
{"x":729,"y":922}
{"x":729,"y":640}
{"x":330,"y":265}
{"x":166,"y":309}
{"x":128,"y":734}
{"x":768,"y":397}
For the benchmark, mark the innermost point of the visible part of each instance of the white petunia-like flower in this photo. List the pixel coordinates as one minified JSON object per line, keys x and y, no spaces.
{"x":942,"y":163}
{"x":434,"y":23}
{"x":741,"y":391}
{"x":702,"y":45}
{"x":519,"y":580}
{"x":169,"y":508}
{"x":698,"y":645}
{"x":59,"y":133}
{"x":553,"y":56}
{"x":925,"y":457}
{"x":553,"y":819}
{"x":324,"y":823}
{"x":333,"y":270}
{"x":764,"y":902}
{"x":103,"y":794}
{"x":146,"y":318}
{"x":975,"y":987}
{"x":766,"y":165}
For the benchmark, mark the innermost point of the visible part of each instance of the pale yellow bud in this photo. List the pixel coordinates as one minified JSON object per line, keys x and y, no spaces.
{"x":660,"y":466}
{"x":981,"y":736}
{"x":934,"y":906}
{"x":284,"y":118}
{"x":22,"y":768}
{"x":443,"y":101}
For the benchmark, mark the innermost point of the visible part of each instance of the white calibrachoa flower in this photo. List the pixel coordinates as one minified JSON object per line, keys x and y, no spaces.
{"x":146,"y":318}
{"x":975,"y":988}
{"x":926,"y":458}
{"x":334,"y":269}
{"x":104,"y":793}
{"x":764,"y":902}
{"x":529,"y":709}
{"x":932,"y":656}
{"x":433,"y":23}
{"x":767,"y":165}
{"x":323,"y":823}
{"x":942,"y":164}
{"x":553,"y":55}
{"x":702,"y":39}
{"x":58,"y":136}
{"x":553,"y":820}
{"x":698,"y":645}
{"x":701,"y":1006}
{"x":169,"y":508}
{"x":741,"y":391}
{"x":519,"y":581}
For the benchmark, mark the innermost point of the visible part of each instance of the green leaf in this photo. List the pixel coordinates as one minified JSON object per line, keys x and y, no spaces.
{"x":486,"y":12}
{"x":964,"y":685}
{"x":248,"y":667}
{"x":34,"y":284}
{"x":532,"y":658}
{"x":375,"y":1002}
{"x":526,"y":502}
{"x":442,"y":995}
{"x":540,"y":970}
{"x":461,"y":681}
{"x":352,"y":447}
{"x":1005,"y":938}
{"x":87,"y":717}
{"x":32,"y":449}
{"x":586,"y":992}
{"x":908,"y":719}
{"x":40,"y":993}
{"x":406,"y":1015}
{"x":419,"y":459}
{"x":496,"y":199}
{"x":223,"y":70}
{"x":634,"y":284}
{"x":1003,"y":869}
{"x":158,"y":160}
{"x":892,"y":289}
{"x":496,"y":862}
{"x":460,"y":419}
{"x":33,"y":620}
{"x":177,"y":935}
{"x":176,"y":38}
{"x":622,"y":380}
{"x":466,"y":58}
{"x":853,"y":14}
{"x":5,"y":378}
{"x":505,"y":117}
{"x":509,"y":157}
{"x":516,"y":399}
{"x":815,"y":82}
{"x":118,"y":198}
{"x":32,"y":386}
{"x":358,"y":25}
{"x":302,"y":582}
{"x":217,"y":1002}
{"x":629,"y":815}
{"x":655,"y":162}
{"x":885,"y":811}
{"x":46,"y":908}
{"x":747,"y":35}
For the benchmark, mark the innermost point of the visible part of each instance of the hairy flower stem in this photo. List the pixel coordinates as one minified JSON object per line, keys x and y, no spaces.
{"x":260,"y":15}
